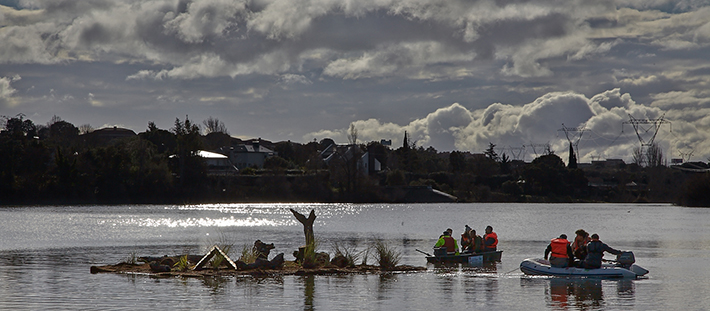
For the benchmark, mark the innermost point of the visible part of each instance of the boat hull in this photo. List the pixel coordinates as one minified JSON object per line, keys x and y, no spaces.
{"x":473,"y":258}
{"x":538,"y":266}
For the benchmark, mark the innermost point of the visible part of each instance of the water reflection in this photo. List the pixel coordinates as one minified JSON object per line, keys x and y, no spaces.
{"x":462,"y":283}
{"x":309,"y":289}
{"x":625,"y":288}
{"x":488,"y":267}
{"x":386,"y":281}
{"x":626,"y":292}
{"x":448,"y":267}
{"x":215,"y":284}
{"x":255,"y":289}
{"x":579,"y":293}
{"x":13,"y":259}
{"x":444,"y":287}
{"x":583,"y":293}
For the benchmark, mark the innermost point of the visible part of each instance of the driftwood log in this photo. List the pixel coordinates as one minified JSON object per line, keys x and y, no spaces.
{"x":263,"y":263}
{"x":307,"y":225}
{"x":304,"y":255}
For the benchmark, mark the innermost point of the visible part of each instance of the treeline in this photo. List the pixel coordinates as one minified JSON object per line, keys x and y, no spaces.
{"x":59,"y":163}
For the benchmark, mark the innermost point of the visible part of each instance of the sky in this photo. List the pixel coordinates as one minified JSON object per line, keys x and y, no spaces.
{"x":453,"y":74}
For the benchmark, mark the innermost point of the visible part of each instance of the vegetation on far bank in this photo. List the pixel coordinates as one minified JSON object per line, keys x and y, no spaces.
{"x":60,"y":163}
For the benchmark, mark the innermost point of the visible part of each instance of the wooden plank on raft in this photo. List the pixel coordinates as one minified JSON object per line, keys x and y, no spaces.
{"x":214,"y":251}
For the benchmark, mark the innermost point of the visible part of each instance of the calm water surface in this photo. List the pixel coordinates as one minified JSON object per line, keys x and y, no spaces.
{"x":46,"y":252}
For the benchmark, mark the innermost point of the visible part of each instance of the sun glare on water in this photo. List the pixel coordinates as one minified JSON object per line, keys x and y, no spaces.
{"x":205,"y":222}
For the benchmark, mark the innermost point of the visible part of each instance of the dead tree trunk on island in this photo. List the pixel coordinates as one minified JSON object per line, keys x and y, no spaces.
{"x":309,"y":250}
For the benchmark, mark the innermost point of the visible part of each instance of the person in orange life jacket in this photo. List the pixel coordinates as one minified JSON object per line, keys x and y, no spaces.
{"x":490,"y":240}
{"x":580,"y":241}
{"x":466,"y":240}
{"x":447,"y":241}
{"x":595,"y":252}
{"x":561,"y":252}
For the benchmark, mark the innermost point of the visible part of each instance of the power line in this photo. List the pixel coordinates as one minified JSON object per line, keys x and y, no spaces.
{"x":517,"y":151}
{"x":655,"y":125}
{"x":569,"y":130}
{"x":685,"y":150}
{"x":652,"y":125}
{"x":545,"y":148}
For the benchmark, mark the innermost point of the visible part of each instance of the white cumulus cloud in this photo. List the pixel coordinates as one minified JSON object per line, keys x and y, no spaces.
{"x":602,"y":121}
{"x":7,"y":91}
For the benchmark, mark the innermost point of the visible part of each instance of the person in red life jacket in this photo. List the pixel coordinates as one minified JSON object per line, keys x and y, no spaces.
{"x":580,"y":241}
{"x":561,"y":252}
{"x":447,"y":241}
{"x":595,"y":252}
{"x":490,"y":240}
{"x":466,"y":240}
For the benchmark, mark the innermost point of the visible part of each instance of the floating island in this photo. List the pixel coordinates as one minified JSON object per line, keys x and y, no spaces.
{"x":217,"y":263}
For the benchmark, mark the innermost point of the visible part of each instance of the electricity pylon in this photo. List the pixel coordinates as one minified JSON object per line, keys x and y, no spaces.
{"x":655,"y":125}
{"x":651,"y":125}
{"x":516,"y":152}
{"x":546,"y":148}
{"x":569,"y":130}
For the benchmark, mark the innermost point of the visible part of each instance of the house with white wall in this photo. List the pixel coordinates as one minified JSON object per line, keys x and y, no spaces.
{"x":251,"y":154}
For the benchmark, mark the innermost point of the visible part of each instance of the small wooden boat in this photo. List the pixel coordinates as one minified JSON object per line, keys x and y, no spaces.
{"x":466,"y":258}
{"x":613,"y":269}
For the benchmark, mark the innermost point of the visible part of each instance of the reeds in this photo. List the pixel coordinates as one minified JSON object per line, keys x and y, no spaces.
{"x":350,"y":253}
{"x":132,"y":258}
{"x":387,"y":256}
{"x":309,"y":255}
{"x":226,"y":245}
{"x":248,"y":254}
{"x":183,"y":264}
{"x":218,"y":259}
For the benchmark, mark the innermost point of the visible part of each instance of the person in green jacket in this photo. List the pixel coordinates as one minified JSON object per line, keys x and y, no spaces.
{"x":449,"y":242}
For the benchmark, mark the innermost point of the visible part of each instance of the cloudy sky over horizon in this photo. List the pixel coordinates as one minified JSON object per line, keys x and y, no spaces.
{"x":454,"y":74}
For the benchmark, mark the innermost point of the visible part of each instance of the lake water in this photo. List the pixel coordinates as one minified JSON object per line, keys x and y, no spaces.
{"x":46,"y":253}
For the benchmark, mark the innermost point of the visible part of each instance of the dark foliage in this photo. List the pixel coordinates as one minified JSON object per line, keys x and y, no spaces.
{"x":53,"y":164}
{"x":696,"y":191}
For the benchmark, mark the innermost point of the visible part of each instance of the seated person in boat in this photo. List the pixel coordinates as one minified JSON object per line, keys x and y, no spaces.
{"x":471,"y":242}
{"x":452,"y":248}
{"x":595,"y":252}
{"x":580,"y":241}
{"x":477,"y":242}
{"x":561,"y":252}
{"x":466,"y":240}
{"x":490,"y":240}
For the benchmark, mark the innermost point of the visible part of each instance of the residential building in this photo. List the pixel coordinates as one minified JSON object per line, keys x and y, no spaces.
{"x":366,"y":164}
{"x":249,"y":154}
{"x":217,"y":164}
{"x":104,"y":135}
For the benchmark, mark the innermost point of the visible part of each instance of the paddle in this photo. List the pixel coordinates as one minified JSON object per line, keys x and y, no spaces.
{"x":423,"y":252}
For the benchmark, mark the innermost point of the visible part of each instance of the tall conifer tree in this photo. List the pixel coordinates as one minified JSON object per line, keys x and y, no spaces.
{"x":572,"y":158}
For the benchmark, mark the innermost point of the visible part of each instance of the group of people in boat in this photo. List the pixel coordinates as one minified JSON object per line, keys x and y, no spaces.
{"x":585,"y":252}
{"x":470,"y":241}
